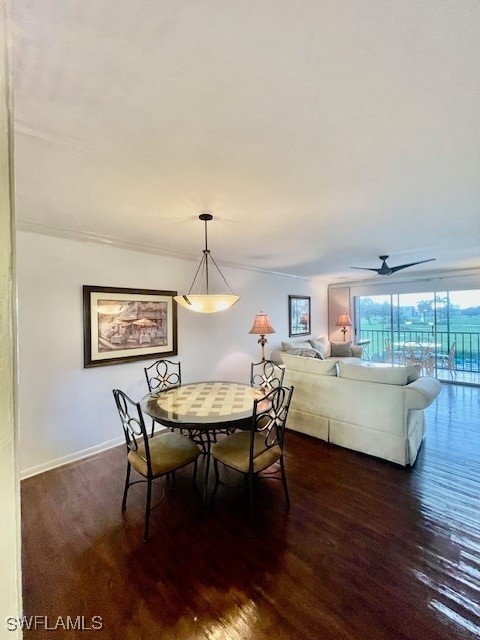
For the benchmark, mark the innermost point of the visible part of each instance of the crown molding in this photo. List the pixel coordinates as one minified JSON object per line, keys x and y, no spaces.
{"x":120,"y":243}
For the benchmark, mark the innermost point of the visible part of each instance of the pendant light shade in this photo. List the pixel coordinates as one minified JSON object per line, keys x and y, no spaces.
{"x":205,"y":302}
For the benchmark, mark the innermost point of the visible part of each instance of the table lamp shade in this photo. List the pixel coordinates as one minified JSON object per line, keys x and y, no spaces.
{"x":261,"y":325}
{"x":344,"y":320}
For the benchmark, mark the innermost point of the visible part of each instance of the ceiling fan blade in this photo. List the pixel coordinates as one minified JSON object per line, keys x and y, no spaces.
{"x":410,"y":264}
{"x":385,"y":270}
{"x":366,"y":269}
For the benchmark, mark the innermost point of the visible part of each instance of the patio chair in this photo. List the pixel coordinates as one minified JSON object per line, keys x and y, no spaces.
{"x":448,"y":359}
{"x":394,"y":356}
{"x":412,"y":353}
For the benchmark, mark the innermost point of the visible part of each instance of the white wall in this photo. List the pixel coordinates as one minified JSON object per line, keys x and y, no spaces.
{"x":67,"y":411}
{"x":339,"y":302}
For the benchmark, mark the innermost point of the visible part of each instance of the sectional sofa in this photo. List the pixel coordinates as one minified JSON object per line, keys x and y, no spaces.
{"x":377,"y":410}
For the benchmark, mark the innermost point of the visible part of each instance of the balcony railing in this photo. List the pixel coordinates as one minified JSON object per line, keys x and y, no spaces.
{"x":467,"y":357}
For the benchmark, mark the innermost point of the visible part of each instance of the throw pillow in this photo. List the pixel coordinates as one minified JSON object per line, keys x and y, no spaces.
{"x":307,"y":353}
{"x":357,"y":351}
{"x":341,"y":349}
{"x":286,"y":346}
{"x":323,"y":345}
{"x":414,"y":372}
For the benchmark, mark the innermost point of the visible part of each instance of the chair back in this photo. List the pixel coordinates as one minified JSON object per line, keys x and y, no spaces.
{"x":388,"y":348}
{"x":270,"y":416}
{"x":412,"y":353}
{"x":451,"y":355}
{"x":163,"y":374}
{"x":133,"y":425}
{"x":266,"y":374}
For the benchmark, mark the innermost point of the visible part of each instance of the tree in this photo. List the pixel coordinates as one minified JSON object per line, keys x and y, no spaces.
{"x":425,"y":307}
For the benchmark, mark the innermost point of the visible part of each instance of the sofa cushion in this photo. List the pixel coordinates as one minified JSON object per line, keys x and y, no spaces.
{"x":310,"y":365}
{"x":353,"y":360}
{"x":307,"y":353}
{"x":396,"y":375}
{"x":300,"y":344}
{"x":341,"y":349}
{"x":323,"y":345}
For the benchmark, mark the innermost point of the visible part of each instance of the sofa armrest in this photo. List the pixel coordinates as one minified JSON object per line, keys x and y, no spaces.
{"x":421,"y":393}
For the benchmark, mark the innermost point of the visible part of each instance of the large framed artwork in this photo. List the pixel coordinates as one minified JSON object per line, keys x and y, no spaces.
{"x":298,"y":316}
{"x":121,"y":325}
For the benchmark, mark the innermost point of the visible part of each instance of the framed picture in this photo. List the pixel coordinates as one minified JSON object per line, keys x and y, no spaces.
{"x":298,"y":316}
{"x":121,"y":325}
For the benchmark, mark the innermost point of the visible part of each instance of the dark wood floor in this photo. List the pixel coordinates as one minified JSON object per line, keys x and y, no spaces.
{"x":368,"y":551}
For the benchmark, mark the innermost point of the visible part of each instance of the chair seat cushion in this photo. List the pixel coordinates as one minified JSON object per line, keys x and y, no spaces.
{"x":234,"y":451}
{"x":168,"y":452}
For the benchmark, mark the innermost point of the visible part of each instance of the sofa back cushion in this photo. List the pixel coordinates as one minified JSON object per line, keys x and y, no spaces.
{"x":341,"y":349}
{"x":398,"y":375}
{"x":300,"y":344}
{"x":357,"y":351}
{"x":309,"y":365}
{"x":306,"y":353}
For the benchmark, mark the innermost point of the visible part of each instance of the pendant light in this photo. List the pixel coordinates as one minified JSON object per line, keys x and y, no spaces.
{"x":206,"y":302}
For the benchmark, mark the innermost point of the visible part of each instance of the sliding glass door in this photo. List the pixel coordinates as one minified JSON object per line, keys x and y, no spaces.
{"x":442,"y":325}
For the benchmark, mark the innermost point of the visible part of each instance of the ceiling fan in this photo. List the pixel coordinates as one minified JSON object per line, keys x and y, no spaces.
{"x":385,"y":270}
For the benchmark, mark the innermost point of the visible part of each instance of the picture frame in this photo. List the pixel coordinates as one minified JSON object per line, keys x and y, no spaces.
{"x":122,"y":324}
{"x":299,"y":316}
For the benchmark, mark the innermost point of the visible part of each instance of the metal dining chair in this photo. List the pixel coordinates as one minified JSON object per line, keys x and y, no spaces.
{"x":256,"y":450}
{"x":163,"y":375}
{"x":151,"y":458}
{"x":266,"y":375}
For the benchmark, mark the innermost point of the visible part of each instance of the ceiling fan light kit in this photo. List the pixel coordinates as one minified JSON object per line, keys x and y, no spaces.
{"x":385,"y":270}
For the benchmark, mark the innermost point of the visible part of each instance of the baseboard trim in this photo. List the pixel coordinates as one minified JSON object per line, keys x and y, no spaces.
{"x":73,"y":457}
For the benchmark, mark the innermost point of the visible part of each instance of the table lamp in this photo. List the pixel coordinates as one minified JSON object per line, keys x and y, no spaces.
{"x":344,"y":322}
{"x":261,"y":326}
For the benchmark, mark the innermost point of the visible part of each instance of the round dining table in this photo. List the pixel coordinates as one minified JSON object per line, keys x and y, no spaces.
{"x":203,"y":410}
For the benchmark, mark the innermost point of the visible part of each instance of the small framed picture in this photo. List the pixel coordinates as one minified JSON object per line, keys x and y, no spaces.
{"x":298,"y":316}
{"x":121,"y":325}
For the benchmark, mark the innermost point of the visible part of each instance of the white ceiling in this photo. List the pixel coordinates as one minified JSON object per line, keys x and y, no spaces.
{"x":319,"y":133}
